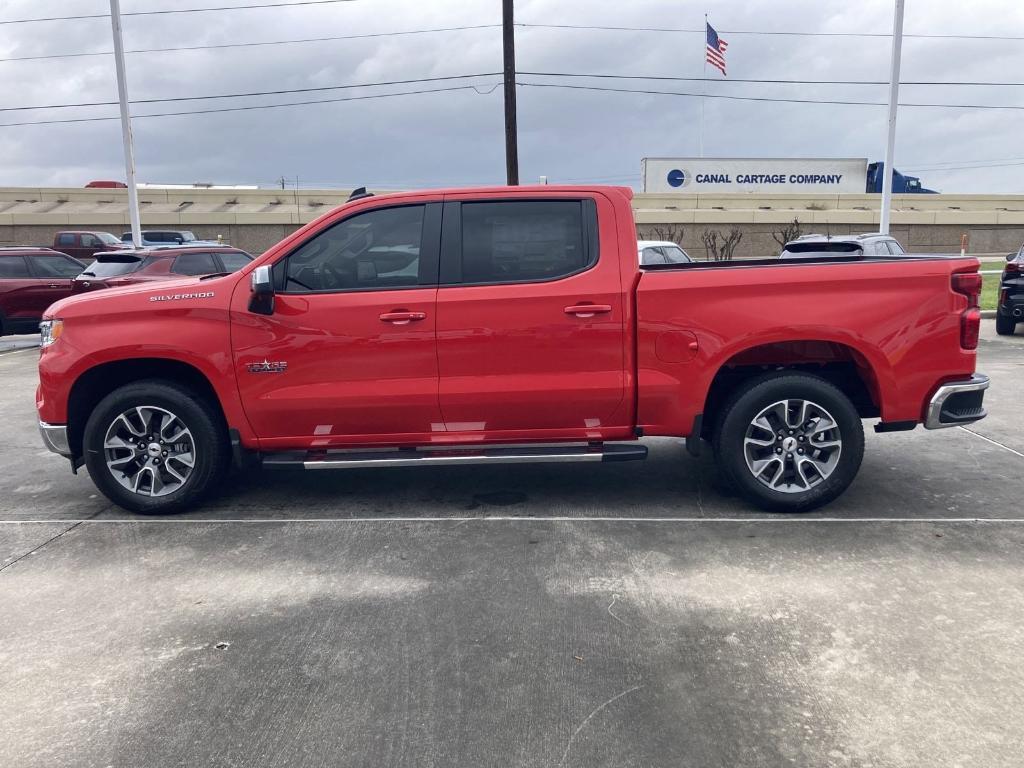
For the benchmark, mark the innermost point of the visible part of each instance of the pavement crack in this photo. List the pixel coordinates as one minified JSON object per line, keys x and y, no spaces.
{"x":614,"y":598}
{"x":48,"y":541}
{"x":588,"y":718}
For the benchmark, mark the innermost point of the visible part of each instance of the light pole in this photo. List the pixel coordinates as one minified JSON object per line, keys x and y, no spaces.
{"x":894,"y":90}
{"x":509,"y":50}
{"x":126,"y":124}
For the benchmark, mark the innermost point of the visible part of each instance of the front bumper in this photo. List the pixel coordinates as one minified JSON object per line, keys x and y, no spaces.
{"x":55,"y":438}
{"x":957,"y":403}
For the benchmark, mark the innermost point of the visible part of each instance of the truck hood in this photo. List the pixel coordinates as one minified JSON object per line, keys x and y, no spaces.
{"x":157,"y":292}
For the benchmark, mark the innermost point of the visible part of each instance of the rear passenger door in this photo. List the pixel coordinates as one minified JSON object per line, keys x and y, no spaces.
{"x":17,"y":289}
{"x":530,"y":320}
{"x":53,"y":274}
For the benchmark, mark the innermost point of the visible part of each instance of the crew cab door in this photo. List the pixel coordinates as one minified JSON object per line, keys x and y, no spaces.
{"x":348,"y":354}
{"x":530,"y":319}
{"x":53,"y":274}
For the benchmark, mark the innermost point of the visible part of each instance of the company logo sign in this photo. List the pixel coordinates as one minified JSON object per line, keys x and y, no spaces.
{"x":678,"y":178}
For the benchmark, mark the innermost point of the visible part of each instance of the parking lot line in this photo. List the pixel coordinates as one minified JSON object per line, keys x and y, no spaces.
{"x":993,"y":442}
{"x":521,"y":518}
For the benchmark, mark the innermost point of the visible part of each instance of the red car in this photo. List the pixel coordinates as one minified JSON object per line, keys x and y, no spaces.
{"x":505,"y":325}
{"x":31,"y":279}
{"x":82,"y":245}
{"x":127,"y":267}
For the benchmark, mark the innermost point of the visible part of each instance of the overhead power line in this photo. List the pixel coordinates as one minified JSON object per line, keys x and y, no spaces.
{"x":701,"y":31}
{"x":255,"y":44}
{"x":280,"y":92}
{"x":764,"y":98}
{"x":767,"y":81}
{"x":165,"y":11}
{"x":257,"y":106}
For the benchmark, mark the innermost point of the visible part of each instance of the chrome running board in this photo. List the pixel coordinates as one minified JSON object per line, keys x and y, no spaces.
{"x":455,"y":456}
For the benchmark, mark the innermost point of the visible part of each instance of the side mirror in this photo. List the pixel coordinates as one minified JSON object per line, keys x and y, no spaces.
{"x":262,"y":300}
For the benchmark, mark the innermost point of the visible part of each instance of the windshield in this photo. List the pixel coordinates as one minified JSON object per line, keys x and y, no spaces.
{"x":107,"y":239}
{"x":107,"y":267}
{"x":186,"y":236}
{"x":675,"y":255}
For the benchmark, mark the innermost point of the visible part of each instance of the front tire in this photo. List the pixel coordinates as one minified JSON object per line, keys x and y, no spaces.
{"x":1005,"y":325}
{"x":155,"y":447}
{"x":789,"y":442}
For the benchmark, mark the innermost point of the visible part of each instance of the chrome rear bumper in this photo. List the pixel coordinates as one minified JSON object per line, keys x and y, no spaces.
{"x":55,"y":437}
{"x":957,"y":403}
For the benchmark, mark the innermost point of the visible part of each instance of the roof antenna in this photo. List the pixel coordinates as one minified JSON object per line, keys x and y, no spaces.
{"x":358,"y":194}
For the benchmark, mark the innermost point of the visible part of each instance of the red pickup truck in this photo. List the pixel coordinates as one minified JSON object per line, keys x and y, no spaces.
{"x":504,"y":325}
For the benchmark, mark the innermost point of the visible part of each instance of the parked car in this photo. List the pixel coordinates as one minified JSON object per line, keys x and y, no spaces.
{"x":104,"y":184}
{"x":527,"y":332}
{"x":166,"y":237}
{"x":82,"y":245}
{"x":661,"y":252}
{"x":1010,"y":306}
{"x":817,"y":246}
{"x":128,"y":267}
{"x":31,"y":279}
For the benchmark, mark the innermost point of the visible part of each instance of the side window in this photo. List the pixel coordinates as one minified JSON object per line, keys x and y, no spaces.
{"x":13,"y":267}
{"x":652,"y":255}
{"x":194,"y":264}
{"x":233,"y":260}
{"x":91,"y":241}
{"x":378,"y":249}
{"x":523,"y":240}
{"x":66,"y":238}
{"x":895,"y":248}
{"x":54,"y":266}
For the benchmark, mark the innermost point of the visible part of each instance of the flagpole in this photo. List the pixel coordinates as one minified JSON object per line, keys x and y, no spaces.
{"x":890,"y":146}
{"x":703,"y":84}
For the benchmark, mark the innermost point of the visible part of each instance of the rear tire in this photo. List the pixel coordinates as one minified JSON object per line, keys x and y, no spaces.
{"x":789,"y":442}
{"x":155,"y":447}
{"x":1005,"y":325}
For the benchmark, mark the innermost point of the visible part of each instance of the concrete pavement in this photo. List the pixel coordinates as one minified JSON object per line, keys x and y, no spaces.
{"x":606,"y":615}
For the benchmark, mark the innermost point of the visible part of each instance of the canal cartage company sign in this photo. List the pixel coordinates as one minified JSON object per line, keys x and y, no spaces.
{"x":692,"y":175}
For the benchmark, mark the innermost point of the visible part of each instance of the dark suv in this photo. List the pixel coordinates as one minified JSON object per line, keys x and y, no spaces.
{"x":1010,"y":309}
{"x":159,"y":263}
{"x":31,"y":279}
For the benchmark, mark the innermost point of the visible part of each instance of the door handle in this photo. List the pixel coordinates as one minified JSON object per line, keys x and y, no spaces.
{"x":54,"y":285}
{"x":588,"y":310}
{"x":402,"y":318}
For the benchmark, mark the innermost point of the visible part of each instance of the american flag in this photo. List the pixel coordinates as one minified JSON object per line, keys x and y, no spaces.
{"x":715,"y":53}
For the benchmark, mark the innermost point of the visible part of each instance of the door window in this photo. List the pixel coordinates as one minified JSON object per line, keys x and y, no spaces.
{"x":194,"y":264}
{"x":895,"y":248}
{"x":55,"y":266}
{"x":518,"y":241}
{"x":66,"y":238}
{"x":233,"y":260}
{"x":375,"y":250}
{"x":91,"y":241}
{"x":13,"y":267}
{"x":652,"y":255}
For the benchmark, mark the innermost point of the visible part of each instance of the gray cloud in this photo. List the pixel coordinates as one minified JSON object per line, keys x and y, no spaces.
{"x":456,"y":137}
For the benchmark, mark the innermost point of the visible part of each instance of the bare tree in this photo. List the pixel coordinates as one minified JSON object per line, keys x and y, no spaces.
{"x":710,"y":238}
{"x":720,"y":247}
{"x":672,"y":233}
{"x":791,"y":231}
{"x":729,"y":244}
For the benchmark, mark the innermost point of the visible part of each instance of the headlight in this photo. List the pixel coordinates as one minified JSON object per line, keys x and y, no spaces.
{"x":50,"y":331}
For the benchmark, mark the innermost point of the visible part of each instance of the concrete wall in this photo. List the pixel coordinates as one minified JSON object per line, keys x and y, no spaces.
{"x":256,"y":219}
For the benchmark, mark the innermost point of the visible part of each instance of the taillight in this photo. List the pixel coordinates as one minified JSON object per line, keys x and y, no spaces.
{"x":968,"y":284}
{"x":1014,"y":267}
{"x":970,"y":328}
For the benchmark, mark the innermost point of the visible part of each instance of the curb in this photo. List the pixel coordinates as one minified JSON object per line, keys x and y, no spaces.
{"x":988,"y":313}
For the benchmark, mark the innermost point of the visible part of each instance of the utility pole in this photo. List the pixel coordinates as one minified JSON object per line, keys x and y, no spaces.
{"x":511,"y":140}
{"x":126,"y":124}
{"x":894,"y":90}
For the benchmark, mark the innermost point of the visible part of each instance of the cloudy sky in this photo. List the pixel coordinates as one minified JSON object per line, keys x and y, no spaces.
{"x":456,"y":136}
